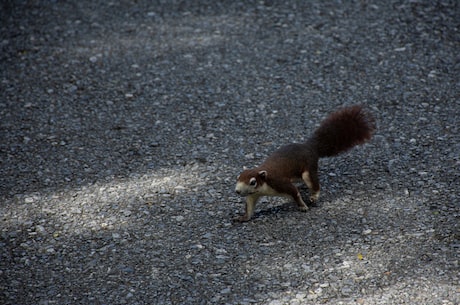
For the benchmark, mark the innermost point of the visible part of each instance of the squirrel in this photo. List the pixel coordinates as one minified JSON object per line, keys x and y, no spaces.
{"x":339,"y":132}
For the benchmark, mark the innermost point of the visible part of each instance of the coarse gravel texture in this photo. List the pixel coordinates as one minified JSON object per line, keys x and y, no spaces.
{"x":124,"y":125}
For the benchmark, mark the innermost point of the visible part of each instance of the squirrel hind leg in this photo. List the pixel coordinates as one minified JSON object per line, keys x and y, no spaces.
{"x":285,"y":187}
{"x":311,"y":180}
{"x":295,"y":194}
{"x":303,"y":207}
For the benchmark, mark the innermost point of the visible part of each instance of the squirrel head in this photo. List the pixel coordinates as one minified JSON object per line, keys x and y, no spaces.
{"x":249,"y":181}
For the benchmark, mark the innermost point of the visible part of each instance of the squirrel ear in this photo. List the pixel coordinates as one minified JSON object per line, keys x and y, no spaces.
{"x":263,"y":174}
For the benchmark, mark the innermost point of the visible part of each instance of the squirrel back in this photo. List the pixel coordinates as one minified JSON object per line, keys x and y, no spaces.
{"x":342,"y":130}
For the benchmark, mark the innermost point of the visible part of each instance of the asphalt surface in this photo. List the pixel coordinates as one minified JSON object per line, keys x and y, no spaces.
{"x":124,"y":125}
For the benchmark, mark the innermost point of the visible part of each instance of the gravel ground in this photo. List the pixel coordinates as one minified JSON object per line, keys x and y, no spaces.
{"x":124,"y":125}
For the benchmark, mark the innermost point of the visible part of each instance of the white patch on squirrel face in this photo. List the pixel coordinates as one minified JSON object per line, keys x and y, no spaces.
{"x":245,"y":189}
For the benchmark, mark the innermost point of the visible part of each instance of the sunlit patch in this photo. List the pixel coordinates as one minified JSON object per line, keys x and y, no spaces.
{"x":100,"y":206}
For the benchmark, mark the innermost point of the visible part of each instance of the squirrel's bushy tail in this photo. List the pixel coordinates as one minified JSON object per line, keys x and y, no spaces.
{"x":342,"y":130}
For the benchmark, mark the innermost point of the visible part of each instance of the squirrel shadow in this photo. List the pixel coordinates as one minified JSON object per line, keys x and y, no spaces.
{"x":286,"y":207}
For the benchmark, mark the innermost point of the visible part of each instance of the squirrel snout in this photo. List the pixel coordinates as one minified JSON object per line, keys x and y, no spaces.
{"x":238,"y":191}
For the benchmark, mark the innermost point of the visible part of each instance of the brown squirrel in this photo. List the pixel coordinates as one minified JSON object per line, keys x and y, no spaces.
{"x":339,"y":132}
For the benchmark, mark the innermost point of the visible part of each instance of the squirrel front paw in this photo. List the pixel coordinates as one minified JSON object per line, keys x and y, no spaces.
{"x":314,"y":199}
{"x":303,"y":208}
{"x":243,"y":218}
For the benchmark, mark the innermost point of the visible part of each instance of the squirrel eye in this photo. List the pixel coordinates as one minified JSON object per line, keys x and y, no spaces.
{"x":253,"y":182}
